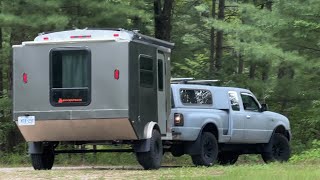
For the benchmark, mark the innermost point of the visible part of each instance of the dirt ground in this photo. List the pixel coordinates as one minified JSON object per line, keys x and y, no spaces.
{"x":96,"y":172}
{"x":82,"y":172}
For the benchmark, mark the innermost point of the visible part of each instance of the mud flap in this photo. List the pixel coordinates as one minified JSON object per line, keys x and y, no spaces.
{"x":192,"y":147}
{"x":35,"y":147}
{"x":142,"y":145}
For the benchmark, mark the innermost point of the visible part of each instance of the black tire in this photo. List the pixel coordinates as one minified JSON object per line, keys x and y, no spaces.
{"x":227,"y":158}
{"x":152,"y":159}
{"x":177,"y":150}
{"x":43,"y":161}
{"x":208,"y":150}
{"x":278,"y":149}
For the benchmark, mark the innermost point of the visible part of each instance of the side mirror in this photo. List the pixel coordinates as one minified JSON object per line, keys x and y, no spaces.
{"x":264,"y":107}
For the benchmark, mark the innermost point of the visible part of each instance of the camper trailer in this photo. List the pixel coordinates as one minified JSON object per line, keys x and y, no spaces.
{"x":92,"y":86}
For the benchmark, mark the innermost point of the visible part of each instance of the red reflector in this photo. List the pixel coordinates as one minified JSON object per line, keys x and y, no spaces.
{"x":84,"y":36}
{"x":25,"y":78}
{"x":115,"y":35}
{"x":116,"y":74}
{"x":45,"y":38}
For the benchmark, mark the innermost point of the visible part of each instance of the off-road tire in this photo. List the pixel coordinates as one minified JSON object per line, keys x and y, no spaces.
{"x":227,"y":158}
{"x":152,"y":159}
{"x":43,"y":161}
{"x":278,"y":149}
{"x":177,"y":150}
{"x":208,"y":150}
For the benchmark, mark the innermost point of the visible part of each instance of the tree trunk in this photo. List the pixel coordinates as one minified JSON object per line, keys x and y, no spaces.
{"x":241,"y":64}
{"x":212,"y":38}
{"x":1,"y":65}
{"x":252,"y":70}
{"x":265,"y":71}
{"x":269,"y":5}
{"x":219,"y":50}
{"x":162,"y":19}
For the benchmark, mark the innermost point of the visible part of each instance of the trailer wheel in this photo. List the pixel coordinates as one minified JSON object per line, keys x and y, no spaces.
{"x":208,"y":150}
{"x":227,"y":158}
{"x":278,"y":149}
{"x":152,"y":158}
{"x":43,"y":161}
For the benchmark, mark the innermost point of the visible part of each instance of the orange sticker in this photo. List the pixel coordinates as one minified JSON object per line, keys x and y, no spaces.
{"x":69,"y":100}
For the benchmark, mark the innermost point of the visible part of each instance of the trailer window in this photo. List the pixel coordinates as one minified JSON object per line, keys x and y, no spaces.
{"x":70,"y":77}
{"x":146,"y":72}
{"x":160,"y":75}
{"x":195,"y":97}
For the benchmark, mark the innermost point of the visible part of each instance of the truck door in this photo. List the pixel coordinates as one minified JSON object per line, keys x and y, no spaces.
{"x":237,"y":118}
{"x":256,"y":124}
{"x":161,"y":93}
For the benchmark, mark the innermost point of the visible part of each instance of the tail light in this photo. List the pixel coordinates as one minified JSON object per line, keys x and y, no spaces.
{"x":178,"y":119}
{"x":25,"y":78}
{"x":116,"y":74}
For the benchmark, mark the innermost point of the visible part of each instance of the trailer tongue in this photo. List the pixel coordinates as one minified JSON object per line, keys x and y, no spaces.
{"x":92,"y":86}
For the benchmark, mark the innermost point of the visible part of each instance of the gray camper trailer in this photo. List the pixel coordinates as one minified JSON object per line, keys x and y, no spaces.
{"x":92,"y":87}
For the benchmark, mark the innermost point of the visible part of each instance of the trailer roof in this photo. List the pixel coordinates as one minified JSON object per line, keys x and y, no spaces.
{"x":97,"y":35}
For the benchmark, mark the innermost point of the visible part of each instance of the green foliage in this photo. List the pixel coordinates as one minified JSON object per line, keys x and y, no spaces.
{"x":310,"y":155}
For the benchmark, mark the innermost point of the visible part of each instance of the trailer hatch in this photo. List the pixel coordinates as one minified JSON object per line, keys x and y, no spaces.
{"x":70,"y":77}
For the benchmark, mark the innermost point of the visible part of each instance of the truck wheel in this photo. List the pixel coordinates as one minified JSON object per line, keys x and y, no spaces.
{"x":152,"y":158}
{"x":227,"y":158}
{"x":278,"y":149}
{"x":177,"y":150}
{"x":208,"y":150}
{"x":43,"y":161}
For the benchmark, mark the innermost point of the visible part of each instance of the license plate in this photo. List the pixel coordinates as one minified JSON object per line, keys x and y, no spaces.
{"x":26,"y":120}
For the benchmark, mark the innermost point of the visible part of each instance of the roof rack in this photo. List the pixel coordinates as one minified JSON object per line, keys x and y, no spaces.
{"x":192,"y":81}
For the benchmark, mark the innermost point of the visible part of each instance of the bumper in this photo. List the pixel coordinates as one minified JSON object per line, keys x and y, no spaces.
{"x":185,"y":133}
{"x":79,"y":130}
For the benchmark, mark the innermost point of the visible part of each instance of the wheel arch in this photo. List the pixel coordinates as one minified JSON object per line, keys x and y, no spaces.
{"x":282,"y":130}
{"x":149,"y":128}
{"x":212,"y":128}
{"x":143,"y":145}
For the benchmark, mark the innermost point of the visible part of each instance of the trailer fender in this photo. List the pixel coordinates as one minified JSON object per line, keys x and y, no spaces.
{"x":148,"y":128}
{"x":143,"y":145}
{"x":35,"y":147}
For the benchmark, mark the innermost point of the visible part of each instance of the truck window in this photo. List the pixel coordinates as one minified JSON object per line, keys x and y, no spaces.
{"x":249,"y":103}
{"x":195,"y":97}
{"x":70,"y":77}
{"x":146,"y":71}
{"x":234,"y":100}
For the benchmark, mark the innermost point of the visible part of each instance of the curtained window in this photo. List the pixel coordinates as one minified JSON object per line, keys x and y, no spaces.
{"x":70,"y":77}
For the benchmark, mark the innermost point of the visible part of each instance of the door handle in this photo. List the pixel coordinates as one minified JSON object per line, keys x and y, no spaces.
{"x":248,"y":116}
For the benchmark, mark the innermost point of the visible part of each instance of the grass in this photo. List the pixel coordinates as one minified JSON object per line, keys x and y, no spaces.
{"x":247,"y":171}
{"x":124,"y":166}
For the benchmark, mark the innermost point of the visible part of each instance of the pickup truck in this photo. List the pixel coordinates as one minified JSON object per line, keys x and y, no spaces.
{"x":217,"y":124}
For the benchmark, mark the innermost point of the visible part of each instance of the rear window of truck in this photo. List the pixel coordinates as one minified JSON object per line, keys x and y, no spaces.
{"x":195,"y":97}
{"x":70,"y":77}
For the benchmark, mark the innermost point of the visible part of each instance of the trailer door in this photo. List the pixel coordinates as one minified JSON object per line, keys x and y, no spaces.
{"x":162,"y":110}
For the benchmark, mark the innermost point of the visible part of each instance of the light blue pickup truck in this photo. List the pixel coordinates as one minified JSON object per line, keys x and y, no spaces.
{"x":217,"y":124}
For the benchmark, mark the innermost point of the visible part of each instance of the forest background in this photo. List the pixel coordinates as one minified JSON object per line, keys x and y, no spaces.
{"x":271,"y":47}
